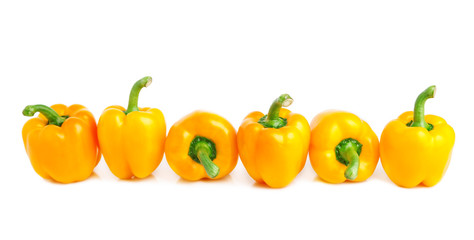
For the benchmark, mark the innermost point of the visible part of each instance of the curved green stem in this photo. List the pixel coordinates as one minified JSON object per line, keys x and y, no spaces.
{"x":419,"y":112}
{"x":347,"y":153}
{"x":211,"y":168}
{"x":350,"y":154}
{"x":133,"y":99}
{"x":203,"y":151}
{"x":52,"y":116}
{"x":273,"y":119}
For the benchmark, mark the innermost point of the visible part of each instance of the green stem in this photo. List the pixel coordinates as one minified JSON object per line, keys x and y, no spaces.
{"x":211,"y":168}
{"x":52,"y":116}
{"x":203,"y":151}
{"x":133,"y":99}
{"x":273,"y":119}
{"x":419,"y":112}
{"x":347,"y":153}
{"x":350,"y":154}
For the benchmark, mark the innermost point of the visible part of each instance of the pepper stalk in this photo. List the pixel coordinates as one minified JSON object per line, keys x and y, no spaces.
{"x":133,"y":99}
{"x":52,"y":116}
{"x":419,"y":111}
{"x":347,"y":153}
{"x":273,"y":119}
{"x":203,"y":151}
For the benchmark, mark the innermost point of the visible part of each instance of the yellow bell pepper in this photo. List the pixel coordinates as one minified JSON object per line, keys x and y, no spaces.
{"x":274,"y":147}
{"x":61,"y":142}
{"x":132,"y":140}
{"x":343,"y":147}
{"x":416,"y":149}
{"x":201,"y":145}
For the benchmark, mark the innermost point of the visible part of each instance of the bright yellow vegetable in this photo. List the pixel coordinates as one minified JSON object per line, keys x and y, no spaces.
{"x":202,"y":145}
{"x":132,"y":141}
{"x":274,"y":147}
{"x":416,"y":149}
{"x":61,"y":142}
{"x":343,"y":147}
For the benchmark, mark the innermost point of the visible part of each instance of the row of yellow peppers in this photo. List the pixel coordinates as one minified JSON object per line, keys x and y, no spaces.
{"x":64,"y":144}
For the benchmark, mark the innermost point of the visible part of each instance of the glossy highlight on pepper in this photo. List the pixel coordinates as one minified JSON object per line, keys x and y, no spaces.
{"x":416,"y":149}
{"x":132,"y":140}
{"x":61,"y":142}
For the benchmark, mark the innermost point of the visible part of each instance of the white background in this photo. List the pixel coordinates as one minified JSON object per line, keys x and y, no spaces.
{"x":371,"y":58}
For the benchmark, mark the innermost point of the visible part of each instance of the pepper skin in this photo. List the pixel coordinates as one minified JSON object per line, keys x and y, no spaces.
{"x":343,"y":147}
{"x":61,"y":142}
{"x":201,"y":145}
{"x":416,"y":149}
{"x":132,"y":140}
{"x":274,"y":147}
